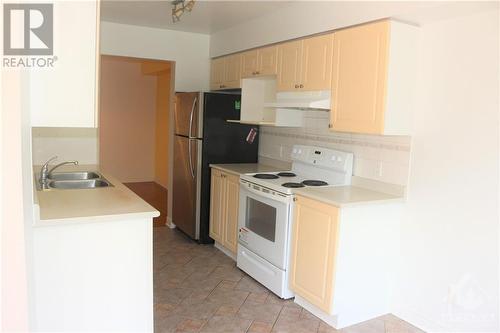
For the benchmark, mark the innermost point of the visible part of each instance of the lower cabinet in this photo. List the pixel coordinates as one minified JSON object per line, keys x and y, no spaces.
{"x":224,"y":201}
{"x":313,"y":251}
{"x":343,"y":260}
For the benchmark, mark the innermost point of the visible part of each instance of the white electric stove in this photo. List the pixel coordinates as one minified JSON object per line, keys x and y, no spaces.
{"x":266,"y":206}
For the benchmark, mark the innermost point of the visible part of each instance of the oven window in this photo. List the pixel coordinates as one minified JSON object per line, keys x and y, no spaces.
{"x":261,"y":219}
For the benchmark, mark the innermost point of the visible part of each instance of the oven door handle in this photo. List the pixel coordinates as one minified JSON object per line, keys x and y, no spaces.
{"x":250,"y":188}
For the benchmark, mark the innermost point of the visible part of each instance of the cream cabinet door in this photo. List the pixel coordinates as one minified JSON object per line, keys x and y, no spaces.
{"x":65,"y":95}
{"x":316,"y":68}
{"x":217,"y":74}
{"x":249,"y":63}
{"x":217,"y":197}
{"x":289,"y":61}
{"x":231,"y":212}
{"x":267,"y":61}
{"x":359,"y":80}
{"x":313,"y":251}
{"x":232,"y":72}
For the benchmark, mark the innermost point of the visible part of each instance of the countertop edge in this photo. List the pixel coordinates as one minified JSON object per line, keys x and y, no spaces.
{"x":325,"y":199}
{"x":94,"y":219}
{"x":257,"y":167}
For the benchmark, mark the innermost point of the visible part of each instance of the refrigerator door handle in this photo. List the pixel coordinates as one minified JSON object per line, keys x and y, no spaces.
{"x":190,"y":157}
{"x":191,"y":119}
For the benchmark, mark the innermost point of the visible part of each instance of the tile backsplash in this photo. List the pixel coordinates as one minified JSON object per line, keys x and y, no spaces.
{"x":382,"y":158}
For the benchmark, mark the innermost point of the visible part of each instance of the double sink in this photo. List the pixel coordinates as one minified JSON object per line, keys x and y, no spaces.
{"x":74,"y":180}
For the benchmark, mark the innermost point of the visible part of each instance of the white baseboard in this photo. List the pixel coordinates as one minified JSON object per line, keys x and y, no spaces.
{"x":329,"y":319}
{"x":169,"y":223}
{"x":228,"y":253}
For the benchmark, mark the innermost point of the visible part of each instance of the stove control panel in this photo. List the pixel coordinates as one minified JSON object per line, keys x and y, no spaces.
{"x":324,"y":157}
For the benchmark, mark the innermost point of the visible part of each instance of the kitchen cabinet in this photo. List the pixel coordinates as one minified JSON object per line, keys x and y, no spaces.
{"x":216,"y":206}
{"x":232,"y":71}
{"x":232,"y":192}
{"x":343,"y":258}
{"x":65,"y":95}
{"x":313,"y":251}
{"x":316,"y":68}
{"x":373,"y":77}
{"x":249,"y":63}
{"x":306,"y":64}
{"x":224,"y":202}
{"x":260,"y":62}
{"x":289,"y":56}
{"x":226,"y":72}
{"x":217,"y":74}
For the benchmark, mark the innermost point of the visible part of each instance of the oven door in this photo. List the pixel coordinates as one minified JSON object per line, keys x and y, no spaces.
{"x":263,"y":223}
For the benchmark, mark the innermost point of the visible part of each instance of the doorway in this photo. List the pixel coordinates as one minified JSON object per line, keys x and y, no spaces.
{"x":135,"y":101}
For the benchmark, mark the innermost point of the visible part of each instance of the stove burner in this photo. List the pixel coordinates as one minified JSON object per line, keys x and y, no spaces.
{"x":265,"y":176}
{"x":292,"y":185}
{"x":286,"y":174}
{"x":314,"y":183}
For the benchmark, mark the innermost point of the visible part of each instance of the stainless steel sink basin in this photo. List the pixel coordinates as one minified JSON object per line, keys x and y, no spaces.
{"x":78,"y":184}
{"x":81,"y":175}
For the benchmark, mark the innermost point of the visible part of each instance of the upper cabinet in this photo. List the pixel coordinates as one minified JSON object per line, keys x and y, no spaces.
{"x":316,"y":69}
{"x":369,"y":70}
{"x":217,"y":74}
{"x":65,"y":95}
{"x":260,"y":62}
{"x":373,"y":78}
{"x":226,"y":72}
{"x":306,"y":64}
{"x":267,"y":61}
{"x":289,"y":61}
{"x":232,"y":71}
{"x":249,"y":63}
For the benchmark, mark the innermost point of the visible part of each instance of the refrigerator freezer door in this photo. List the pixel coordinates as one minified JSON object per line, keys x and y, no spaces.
{"x":185,"y":185}
{"x":223,"y":142}
{"x":187,"y":114}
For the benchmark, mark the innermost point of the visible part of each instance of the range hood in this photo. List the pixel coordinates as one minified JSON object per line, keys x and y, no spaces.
{"x":304,"y":100}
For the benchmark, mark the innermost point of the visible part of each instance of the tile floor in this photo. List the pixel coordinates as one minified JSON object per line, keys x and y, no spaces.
{"x":199,"y":289}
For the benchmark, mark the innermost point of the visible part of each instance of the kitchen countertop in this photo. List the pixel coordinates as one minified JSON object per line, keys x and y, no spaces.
{"x":241,"y":168}
{"x":344,"y":196}
{"x":341,"y":196}
{"x":89,"y":205}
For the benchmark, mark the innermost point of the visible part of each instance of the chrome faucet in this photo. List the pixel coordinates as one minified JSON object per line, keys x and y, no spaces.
{"x":45,"y":172}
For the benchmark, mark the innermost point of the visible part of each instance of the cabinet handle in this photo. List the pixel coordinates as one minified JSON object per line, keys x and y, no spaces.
{"x":330,"y":125}
{"x":296,"y":86}
{"x":257,"y":72}
{"x":295,"y":199}
{"x":301,"y":86}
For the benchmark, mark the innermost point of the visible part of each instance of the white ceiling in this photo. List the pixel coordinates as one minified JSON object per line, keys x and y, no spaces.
{"x":207,"y":17}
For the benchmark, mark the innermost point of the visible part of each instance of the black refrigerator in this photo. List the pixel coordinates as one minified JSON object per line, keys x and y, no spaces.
{"x":202,"y":136}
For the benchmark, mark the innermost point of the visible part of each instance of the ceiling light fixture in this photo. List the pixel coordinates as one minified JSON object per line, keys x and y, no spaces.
{"x":179,"y":7}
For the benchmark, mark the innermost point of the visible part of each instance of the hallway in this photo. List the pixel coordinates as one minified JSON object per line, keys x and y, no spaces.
{"x":199,"y":289}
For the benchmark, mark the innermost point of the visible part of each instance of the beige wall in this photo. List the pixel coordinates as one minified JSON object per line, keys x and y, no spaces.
{"x":67,"y":144}
{"x":127,"y":120}
{"x":162,"y":127}
{"x":188,"y":50}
